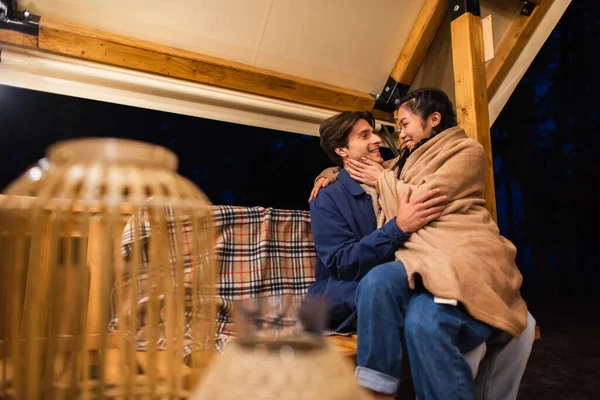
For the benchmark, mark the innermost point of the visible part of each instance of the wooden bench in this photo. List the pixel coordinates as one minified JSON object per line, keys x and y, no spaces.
{"x":347,"y":344}
{"x":344,"y":344}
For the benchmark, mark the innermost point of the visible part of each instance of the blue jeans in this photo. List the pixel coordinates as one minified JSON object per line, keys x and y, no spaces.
{"x":436,"y":335}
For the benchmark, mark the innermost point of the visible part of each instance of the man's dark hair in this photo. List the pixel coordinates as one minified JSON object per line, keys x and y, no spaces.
{"x":335,"y":130}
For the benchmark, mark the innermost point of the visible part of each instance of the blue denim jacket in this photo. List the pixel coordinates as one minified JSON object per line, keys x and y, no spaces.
{"x":348,"y":245}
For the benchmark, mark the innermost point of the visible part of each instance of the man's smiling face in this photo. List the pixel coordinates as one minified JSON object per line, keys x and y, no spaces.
{"x":362,"y":142}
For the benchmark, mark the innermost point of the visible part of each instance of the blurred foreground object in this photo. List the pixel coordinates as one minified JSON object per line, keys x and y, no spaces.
{"x":280,"y":353}
{"x":63,"y":275}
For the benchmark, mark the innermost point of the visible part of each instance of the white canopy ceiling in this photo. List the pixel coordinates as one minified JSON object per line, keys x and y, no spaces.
{"x":353,"y":44}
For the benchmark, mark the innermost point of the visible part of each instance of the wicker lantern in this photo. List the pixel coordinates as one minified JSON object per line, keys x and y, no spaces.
{"x":92,"y":306}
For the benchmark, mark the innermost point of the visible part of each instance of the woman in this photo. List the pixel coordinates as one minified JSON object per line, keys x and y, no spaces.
{"x":460,"y":257}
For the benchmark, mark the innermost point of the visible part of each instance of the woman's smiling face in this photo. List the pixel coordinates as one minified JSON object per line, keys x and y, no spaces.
{"x":414,"y":128}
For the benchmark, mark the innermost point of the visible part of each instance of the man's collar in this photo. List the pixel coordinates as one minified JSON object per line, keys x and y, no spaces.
{"x":349,"y":183}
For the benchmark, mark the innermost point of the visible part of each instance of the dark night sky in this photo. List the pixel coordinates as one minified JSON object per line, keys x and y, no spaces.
{"x":544,"y":144}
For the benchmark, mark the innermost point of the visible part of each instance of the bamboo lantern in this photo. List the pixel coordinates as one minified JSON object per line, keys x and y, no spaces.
{"x":81,"y":315}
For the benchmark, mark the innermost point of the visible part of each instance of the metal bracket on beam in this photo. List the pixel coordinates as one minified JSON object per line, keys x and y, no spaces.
{"x":389,"y":98}
{"x":459,"y":7}
{"x":528,"y":7}
{"x":19,"y":21}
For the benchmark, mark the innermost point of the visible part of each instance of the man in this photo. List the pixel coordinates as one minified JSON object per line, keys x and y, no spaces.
{"x":344,"y":224}
{"x":350,"y":248}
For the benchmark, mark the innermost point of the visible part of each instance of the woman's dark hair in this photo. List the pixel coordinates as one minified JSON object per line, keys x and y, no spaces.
{"x":423,"y":103}
{"x":334,"y":131}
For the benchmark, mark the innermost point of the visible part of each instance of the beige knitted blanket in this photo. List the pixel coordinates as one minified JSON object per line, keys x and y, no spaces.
{"x":462,"y":254}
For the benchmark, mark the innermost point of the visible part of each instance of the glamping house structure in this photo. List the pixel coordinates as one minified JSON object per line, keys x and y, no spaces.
{"x":277,"y":64}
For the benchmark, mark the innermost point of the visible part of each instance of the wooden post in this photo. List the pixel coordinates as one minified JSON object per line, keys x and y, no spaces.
{"x":470,"y":84}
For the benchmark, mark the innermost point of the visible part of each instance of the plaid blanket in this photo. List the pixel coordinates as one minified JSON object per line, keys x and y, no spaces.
{"x":261,"y":252}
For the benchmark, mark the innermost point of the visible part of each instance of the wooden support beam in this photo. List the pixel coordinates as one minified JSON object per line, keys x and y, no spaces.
{"x":94,"y":45}
{"x":412,"y":55}
{"x":421,"y":35}
{"x":18,"y":38}
{"x":382,"y":115}
{"x":471,"y":91}
{"x":512,"y":44}
{"x":127,"y":52}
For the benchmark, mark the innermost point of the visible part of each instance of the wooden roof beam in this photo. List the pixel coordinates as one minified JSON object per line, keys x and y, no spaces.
{"x":17,"y":27}
{"x":413,"y":53}
{"x":117,"y":50}
{"x":512,"y":44}
{"x":18,"y":38}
